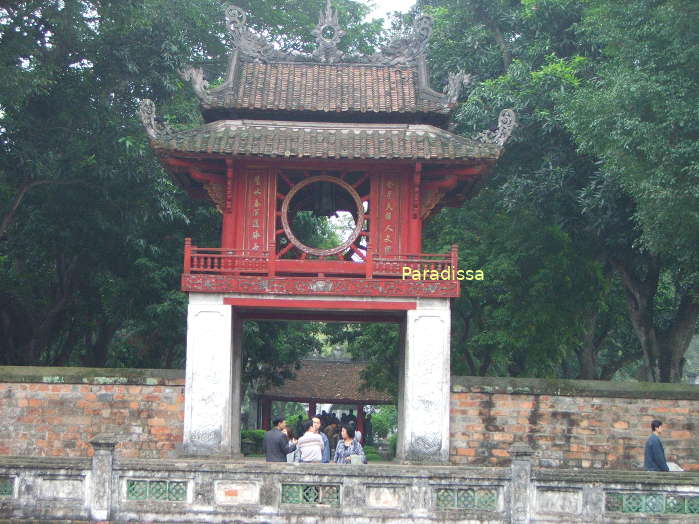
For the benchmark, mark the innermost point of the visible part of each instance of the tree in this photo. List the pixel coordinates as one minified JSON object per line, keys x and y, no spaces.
{"x":546,"y":173}
{"x":636,"y":111}
{"x":91,"y":228}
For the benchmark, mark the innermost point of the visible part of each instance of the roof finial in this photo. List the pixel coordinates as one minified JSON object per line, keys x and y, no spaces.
{"x":155,"y":127}
{"x":328,"y":35}
{"x":506,"y":124}
{"x":250,"y":45}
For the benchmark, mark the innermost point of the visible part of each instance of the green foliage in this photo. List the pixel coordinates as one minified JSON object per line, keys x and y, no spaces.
{"x":385,"y":421}
{"x":251,"y":440}
{"x":393,"y":443}
{"x":92,"y":228}
{"x":272,"y":350}
{"x":377,"y":344}
{"x":315,"y":231}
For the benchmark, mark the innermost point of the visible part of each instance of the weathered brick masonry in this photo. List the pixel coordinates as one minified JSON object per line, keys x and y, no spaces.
{"x":588,"y":424}
{"x":571,"y":423}
{"x":56,"y":411}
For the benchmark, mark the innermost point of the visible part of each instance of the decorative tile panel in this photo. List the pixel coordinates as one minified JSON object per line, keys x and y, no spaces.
{"x":160,"y":490}
{"x":7,"y":486}
{"x":311,"y":494}
{"x":484,"y":498}
{"x":651,"y":503}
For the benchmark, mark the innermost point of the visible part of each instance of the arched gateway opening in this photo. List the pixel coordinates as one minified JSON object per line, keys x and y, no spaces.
{"x":290,"y":146}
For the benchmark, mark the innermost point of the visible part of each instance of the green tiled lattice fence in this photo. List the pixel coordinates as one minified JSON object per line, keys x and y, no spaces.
{"x":311,"y":494}
{"x":168,"y":490}
{"x":469,"y":498}
{"x":652,"y":503}
{"x":6,"y":486}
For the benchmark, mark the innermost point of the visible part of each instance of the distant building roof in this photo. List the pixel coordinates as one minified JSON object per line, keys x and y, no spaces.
{"x":327,"y":381}
{"x":263,"y":138}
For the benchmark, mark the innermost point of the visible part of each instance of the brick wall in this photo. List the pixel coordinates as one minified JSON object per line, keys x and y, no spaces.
{"x":571,"y":423}
{"x":588,"y":424}
{"x":56,"y":411}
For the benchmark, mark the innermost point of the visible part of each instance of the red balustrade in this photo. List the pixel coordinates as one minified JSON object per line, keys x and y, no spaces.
{"x":198,"y":260}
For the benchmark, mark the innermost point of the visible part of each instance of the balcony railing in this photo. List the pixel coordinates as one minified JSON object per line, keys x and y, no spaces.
{"x":225,"y":261}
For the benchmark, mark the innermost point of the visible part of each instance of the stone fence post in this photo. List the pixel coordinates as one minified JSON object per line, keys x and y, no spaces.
{"x":520,"y":488}
{"x":101,"y":485}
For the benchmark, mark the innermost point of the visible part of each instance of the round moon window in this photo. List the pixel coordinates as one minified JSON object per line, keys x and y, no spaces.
{"x":322,"y":215}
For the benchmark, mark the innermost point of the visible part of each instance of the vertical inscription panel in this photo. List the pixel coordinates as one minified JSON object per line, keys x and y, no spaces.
{"x":388,"y":213}
{"x":258,"y":200}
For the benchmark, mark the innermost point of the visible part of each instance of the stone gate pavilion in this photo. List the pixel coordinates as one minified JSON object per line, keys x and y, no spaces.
{"x":290,"y":138}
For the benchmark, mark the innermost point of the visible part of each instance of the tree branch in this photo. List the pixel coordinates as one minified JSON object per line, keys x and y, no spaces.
{"x":9,"y":216}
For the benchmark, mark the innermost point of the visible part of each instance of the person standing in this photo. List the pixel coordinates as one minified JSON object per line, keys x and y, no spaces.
{"x":348,"y":446}
{"x":310,"y":445}
{"x":276,"y":444}
{"x":326,"y":443}
{"x":654,"y":456}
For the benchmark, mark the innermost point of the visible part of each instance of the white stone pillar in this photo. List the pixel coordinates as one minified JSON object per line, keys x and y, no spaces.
{"x":423,"y":430}
{"x":212,"y":379}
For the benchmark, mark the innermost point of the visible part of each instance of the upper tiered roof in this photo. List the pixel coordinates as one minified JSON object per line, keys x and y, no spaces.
{"x":326,"y":106}
{"x":391,"y":86}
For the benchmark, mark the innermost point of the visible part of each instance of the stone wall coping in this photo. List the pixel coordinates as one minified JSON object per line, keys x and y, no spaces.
{"x":644,"y":479}
{"x":574,"y":388}
{"x":296,"y":470}
{"x":65,"y":463}
{"x":97,"y":376}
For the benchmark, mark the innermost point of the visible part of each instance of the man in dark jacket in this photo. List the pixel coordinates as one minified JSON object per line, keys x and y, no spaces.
{"x":276,"y":444}
{"x":654,"y":457}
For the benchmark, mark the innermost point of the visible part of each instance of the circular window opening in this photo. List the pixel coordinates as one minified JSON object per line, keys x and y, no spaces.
{"x":322,"y":215}
{"x":328,"y":32}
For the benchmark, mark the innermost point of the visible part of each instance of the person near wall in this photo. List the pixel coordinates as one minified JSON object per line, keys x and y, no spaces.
{"x":310,"y":445}
{"x":276,"y":443}
{"x":348,"y":446}
{"x":326,"y":443}
{"x":654,"y":456}
{"x":292,"y":456}
{"x":357,"y":434}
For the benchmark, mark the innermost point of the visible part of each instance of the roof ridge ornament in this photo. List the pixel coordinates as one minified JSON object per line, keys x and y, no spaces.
{"x":328,"y":34}
{"x":249,"y":44}
{"x":155,"y":127}
{"x":455,"y":85}
{"x":507,"y":121}
{"x":407,"y":47}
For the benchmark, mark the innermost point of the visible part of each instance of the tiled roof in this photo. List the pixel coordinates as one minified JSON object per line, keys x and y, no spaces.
{"x":325,"y":140}
{"x":289,"y":86}
{"x":327,"y":381}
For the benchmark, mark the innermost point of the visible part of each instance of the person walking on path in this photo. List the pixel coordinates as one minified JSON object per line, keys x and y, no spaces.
{"x":654,"y":456}
{"x":310,"y":445}
{"x":276,"y":444}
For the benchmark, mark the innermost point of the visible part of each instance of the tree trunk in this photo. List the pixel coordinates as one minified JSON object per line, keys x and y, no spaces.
{"x":673,"y":342}
{"x":640,"y":294}
{"x":587,"y":352}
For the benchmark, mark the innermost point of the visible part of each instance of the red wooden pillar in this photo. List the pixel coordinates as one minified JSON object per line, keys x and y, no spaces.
{"x":361,"y":422}
{"x":311,"y":410}
{"x":266,"y":405}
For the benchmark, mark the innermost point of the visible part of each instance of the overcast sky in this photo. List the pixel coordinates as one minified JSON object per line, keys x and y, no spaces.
{"x":384,"y":6}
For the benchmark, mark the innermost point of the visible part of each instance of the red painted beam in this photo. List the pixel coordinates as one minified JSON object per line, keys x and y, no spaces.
{"x":351,"y":305}
{"x":345,"y":317}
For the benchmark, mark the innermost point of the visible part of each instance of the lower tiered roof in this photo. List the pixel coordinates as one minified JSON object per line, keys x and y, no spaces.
{"x":262,"y":138}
